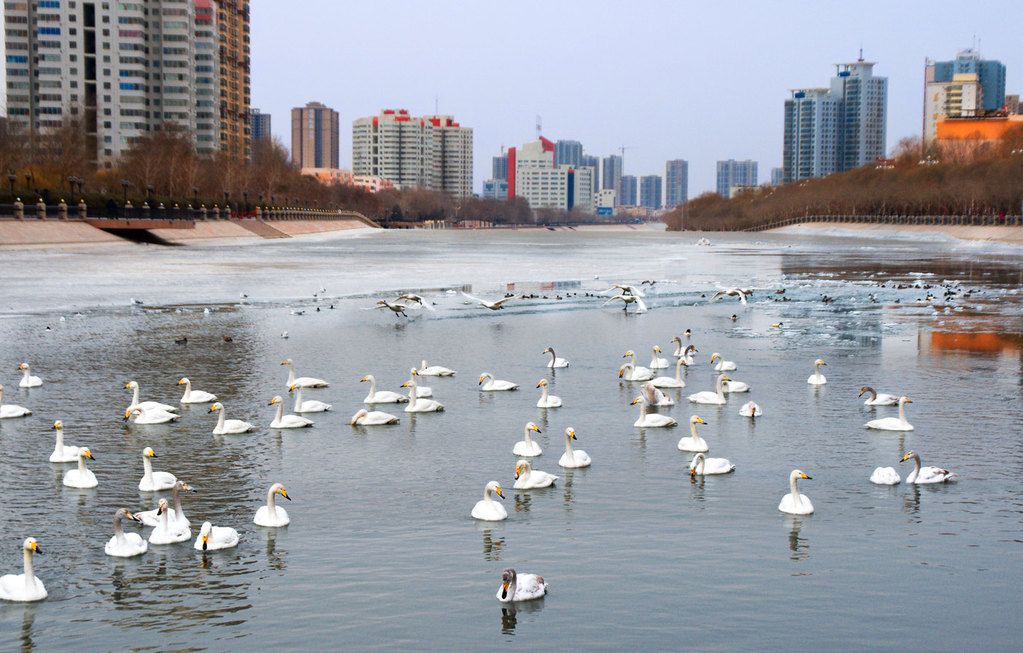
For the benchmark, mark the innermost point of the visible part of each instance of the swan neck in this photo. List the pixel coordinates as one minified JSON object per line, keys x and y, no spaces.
{"x":916,"y":469}
{"x":176,"y":498}
{"x":678,"y":348}
{"x":291,"y":374}
{"x":188,"y":389}
{"x":678,"y":370}
{"x":135,"y":395}
{"x":720,"y":387}
{"x":372,"y":386}
{"x":280,"y":410}
{"x":59,"y":446}
{"x":527,"y":438}
{"x":700,"y":460}
{"x":271,"y":504}
{"x":902,"y":418}
{"x":221,"y":419}
{"x":81,"y":465}
{"x":553,"y":358}
{"x":543,"y":389}
{"x":298,"y":399}
{"x":795,"y":490}
{"x":147,"y":468}
{"x":29,"y":571}
{"x":692,"y":429}
{"x":568,"y":447}
{"x":118,"y":531}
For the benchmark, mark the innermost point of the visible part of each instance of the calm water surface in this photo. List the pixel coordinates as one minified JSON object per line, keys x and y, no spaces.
{"x":382,"y":553}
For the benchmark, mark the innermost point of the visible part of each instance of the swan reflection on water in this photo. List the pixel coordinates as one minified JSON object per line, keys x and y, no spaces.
{"x":276,"y":559}
{"x":522,"y":502}
{"x":510,"y":613}
{"x":799,"y":546}
{"x":491,"y":546}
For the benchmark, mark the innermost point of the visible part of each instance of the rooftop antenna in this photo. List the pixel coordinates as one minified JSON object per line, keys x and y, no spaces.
{"x":539,"y":126}
{"x":622,"y":149}
{"x":861,"y":54}
{"x":436,"y":105}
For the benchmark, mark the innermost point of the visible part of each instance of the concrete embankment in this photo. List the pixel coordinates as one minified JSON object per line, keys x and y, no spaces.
{"x":1002,"y":234}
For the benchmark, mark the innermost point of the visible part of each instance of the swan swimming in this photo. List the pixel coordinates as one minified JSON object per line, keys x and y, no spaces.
{"x":10,"y":410}
{"x":817,"y":378}
{"x":693,"y":442}
{"x":526,"y":446}
{"x":795,"y":503}
{"x":23,"y":587}
{"x":228,"y":426}
{"x":151,"y":416}
{"x":146,"y":405}
{"x":893,"y":423}
{"x":547,"y":400}
{"x":176,"y":515}
{"x":82,"y":477}
{"x":885,"y":476}
{"x":707,"y":397}
{"x":520,"y":587}
{"x":282,"y":421}
{"x":926,"y":475}
{"x":555,"y":361}
{"x":154,"y":481}
{"x":671,"y":381}
{"x":687,"y":354}
{"x":125,"y":545}
{"x":62,"y":453}
{"x":751,"y":409}
{"x":310,"y":405}
{"x":654,"y":397}
{"x":213,"y":538}
{"x":435,"y":370}
{"x":195,"y":396}
{"x":496,"y":384}
{"x":702,"y":466}
{"x":271,"y":515}
{"x":166,"y":531}
{"x":304,"y":381}
{"x":418,"y":404}
{"x":381,"y":396}
{"x":657,"y":362}
{"x":650,"y":420}
{"x":486,"y":509}
{"x":638,"y":373}
{"x":527,"y":478}
{"x":372,"y":418}
{"x":27,"y":380}
{"x":573,"y":457}
{"x":723,"y":365}
{"x":421,"y":390}
{"x":876,"y":399}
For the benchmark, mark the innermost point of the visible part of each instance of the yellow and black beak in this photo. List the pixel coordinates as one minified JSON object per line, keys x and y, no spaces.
{"x":205,"y":539}
{"x":35,"y":547}
{"x":284,"y":493}
{"x":809,"y":478}
{"x":499,"y":493}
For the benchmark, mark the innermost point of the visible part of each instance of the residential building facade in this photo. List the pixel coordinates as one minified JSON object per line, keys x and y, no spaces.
{"x":629,"y":191}
{"x":235,"y":84}
{"x":650,"y":188}
{"x":315,"y":139}
{"x":733,"y":173}
{"x":532,"y":175}
{"x":259,"y":126}
{"x":568,"y":153}
{"x":990,"y":75}
{"x":810,"y":135}
{"x":611,"y":174}
{"x":676,"y":182}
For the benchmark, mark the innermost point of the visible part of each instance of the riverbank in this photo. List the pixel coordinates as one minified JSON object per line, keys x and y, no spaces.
{"x":1013,"y":235}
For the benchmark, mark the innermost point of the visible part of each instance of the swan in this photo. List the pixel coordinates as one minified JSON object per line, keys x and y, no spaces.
{"x":496,"y":384}
{"x":23,"y":587}
{"x":310,"y":405}
{"x":657,"y":362}
{"x":654,"y":397}
{"x":671,"y":381}
{"x":795,"y":503}
{"x":625,"y":290}
{"x":153,"y":416}
{"x":212,"y":538}
{"x":547,"y":400}
{"x":555,"y":361}
{"x":421,"y":390}
{"x":893,"y":423}
{"x":486,"y":509}
{"x":817,"y":378}
{"x":885,"y":476}
{"x":707,"y":397}
{"x":228,"y":426}
{"x":626,"y":300}
{"x":520,"y":587}
{"x":435,"y":370}
{"x":751,"y":409}
{"x":372,"y":418}
{"x":573,"y":457}
{"x":10,"y":410}
{"x":876,"y":399}
{"x":741,"y":293}
{"x":270,"y":515}
{"x":27,"y":380}
{"x":154,"y":481}
{"x":707,"y":466}
{"x":693,"y":442}
{"x":395,"y":307}
{"x":924,"y":475}
{"x":176,"y":514}
{"x":146,"y":405}
{"x":495,"y":305}
{"x":638,"y":373}
{"x":527,"y":478}
{"x":678,"y":347}
{"x":381,"y":397}
{"x":282,"y":421}
{"x":418,"y":404}
{"x":687,"y":354}
{"x":62,"y":453}
{"x":723,"y":365}
{"x":304,"y":381}
{"x":651,"y":420}
{"x":195,"y":396}
{"x":526,"y":446}
{"x":125,"y":545}
{"x":81,"y":477}
{"x":166,"y":531}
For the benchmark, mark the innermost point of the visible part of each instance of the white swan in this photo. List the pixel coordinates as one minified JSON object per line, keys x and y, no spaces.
{"x":651,"y":420}
{"x":707,"y":397}
{"x":495,"y":305}
{"x":150,"y":416}
{"x":626,"y":300}
{"x":434,"y":370}
{"x":520,"y":587}
{"x":10,"y":410}
{"x":166,"y":531}
{"x":81,"y":477}
{"x":876,"y":399}
{"x":195,"y":396}
{"x":309,"y":405}
{"x":573,"y":457}
{"x":282,"y":421}
{"x":62,"y":453}
{"x":418,"y":404}
{"x":693,"y":442}
{"x":885,"y":476}
{"x":125,"y":545}
{"x":926,"y":475}
{"x":751,"y":409}
{"x":795,"y":503}
{"x":723,"y":365}
{"x":638,"y":372}
{"x":547,"y":400}
{"x":382,"y":396}
{"x":421,"y":390}
{"x":654,"y":397}
{"x":526,"y":446}
{"x":817,"y":378}
{"x":527,"y":478}
{"x":154,"y":481}
{"x":27,"y":380}
{"x":271,"y":515}
{"x":212,"y":538}
{"x":678,"y":353}
{"x":703,"y":466}
{"x":735,"y":386}
{"x":555,"y":361}
{"x":176,"y":514}
{"x":304,"y":381}
{"x":23,"y":587}
{"x":372,"y":418}
{"x":496,"y":384}
{"x":741,"y":293}
{"x":893,"y":423}
{"x":228,"y":426}
{"x":486,"y":509}
{"x":687,"y":354}
{"x":658,"y":362}
{"x":671,"y":381}
{"x":146,"y":405}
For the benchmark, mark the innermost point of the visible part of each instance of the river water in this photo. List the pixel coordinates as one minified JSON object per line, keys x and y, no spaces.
{"x":382,"y":553}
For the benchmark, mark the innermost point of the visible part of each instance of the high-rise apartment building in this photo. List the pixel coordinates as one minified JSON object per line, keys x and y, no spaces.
{"x":314,"y":136}
{"x":611,"y":175}
{"x":591,"y":161}
{"x":990,"y":74}
{"x":568,"y":153}
{"x":500,"y":167}
{"x":967,"y":87}
{"x":629,"y":195}
{"x":235,"y":87}
{"x":777,"y":176}
{"x":676,"y":182}
{"x":533,"y":175}
{"x":650,"y":187}
{"x":732,"y":173}
{"x":259,"y":126}
{"x":811,"y":134}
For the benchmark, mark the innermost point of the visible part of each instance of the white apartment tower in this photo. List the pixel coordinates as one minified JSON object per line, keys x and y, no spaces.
{"x":532,"y":175}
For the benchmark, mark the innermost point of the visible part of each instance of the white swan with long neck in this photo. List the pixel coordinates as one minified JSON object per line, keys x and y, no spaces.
{"x":282,"y":421}
{"x":817,"y":378}
{"x":154,"y":481}
{"x":195,"y":396}
{"x":418,"y":404}
{"x":555,"y":361}
{"x":272,"y":515}
{"x":24,"y":587}
{"x":926,"y":474}
{"x":687,"y":354}
{"x":213,"y":538}
{"x":27,"y":380}
{"x":125,"y":545}
{"x":723,"y":365}
{"x":693,"y":442}
{"x":82,"y":477}
{"x":146,"y":405}
{"x":795,"y":503}
{"x":11,"y":410}
{"x":228,"y":426}
{"x":421,"y":390}
{"x":893,"y":423}
{"x":547,"y":400}
{"x":310,"y":405}
{"x":382,"y":396}
{"x":672,"y":381}
{"x":493,"y":385}
{"x":573,"y":457}
{"x":651,"y":420}
{"x":62,"y":453}
{"x":304,"y":381}
{"x":526,"y":446}
{"x":527,"y":478}
{"x":876,"y":399}
{"x":485,"y":509}
{"x":638,"y":372}
{"x":654,"y":397}
{"x":715,"y":398}
{"x":175,"y":514}
{"x":372,"y":418}
{"x":520,"y":587}
{"x":658,"y":362}
{"x":150,"y":415}
{"x":166,"y":531}
{"x":700,"y":465}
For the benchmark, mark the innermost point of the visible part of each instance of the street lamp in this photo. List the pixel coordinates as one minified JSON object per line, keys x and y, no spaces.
{"x":149,"y":193}
{"x":226,"y":194}
{"x":124,"y":186}
{"x":245,"y":204}
{"x":10,"y":178}
{"x":28,"y":181}
{"x":195,"y":194}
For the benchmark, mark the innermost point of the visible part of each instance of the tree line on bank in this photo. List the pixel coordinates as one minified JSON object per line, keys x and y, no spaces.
{"x":956,"y":178}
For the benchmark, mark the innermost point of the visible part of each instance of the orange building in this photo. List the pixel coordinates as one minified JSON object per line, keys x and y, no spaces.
{"x":235,"y":96}
{"x":977,"y":129}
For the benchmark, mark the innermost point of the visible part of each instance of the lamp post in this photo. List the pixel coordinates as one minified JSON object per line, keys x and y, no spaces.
{"x":195,"y":194}
{"x":226,"y":195}
{"x":124,"y":197}
{"x":11,"y":178}
{"x":245,"y":204}
{"x":149,"y":194}
{"x":28,"y":181}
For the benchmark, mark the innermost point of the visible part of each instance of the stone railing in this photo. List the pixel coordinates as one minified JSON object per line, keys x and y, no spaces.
{"x":931,"y":220}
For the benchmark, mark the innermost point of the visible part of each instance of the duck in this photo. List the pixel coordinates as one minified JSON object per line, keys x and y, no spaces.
{"x":62,"y":453}
{"x":707,"y":397}
{"x":876,"y":399}
{"x":418,"y":404}
{"x":421,"y":390}
{"x":82,"y":477}
{"x":926,"y":475}
{"x":310,"y":405}
{"x":893,"y":423}
{"x":271,"y":515}
{"x":125,"y":545}
{"x":495,"y":384}
{"x":885,"y":476}
{"x":555,"y":361}
{"x":751,"y":409}
{"x":706,"y":466}
{"x":637,"y":373}
{"x":435,"y":370}
{"x":573,"y":457}
{"x":195,"y":396}
{"x":520,"y":587}
{"x":817,"y":378}
{"x":795,"y":503}
{"x":485,"y":509}
{"x":213,"y":538}
{"x":693,"y":442}
{"x":23,"y":587}
{"x":526,"y":446}
{"x":154,"y":416}
{"x":282,"y":421}
{"x":723,"y":365}
{"x":154,"y":481}
{"x":651,"y":420}
{"x":27,"y":380}
{"x":372,"y":418}
{"x":547,"y":400}
{"x":304,"y":381}
{"x":657,"y":362}
{"x":176,"y":514}
{"x":527,"y":478}
{"x":166,"y":531}
{"x":382,"y":396}
{"x":11,"y":410}
{"x":146,"y":405}
{"x":654,"y":397}
{"x":228,"y":426}
{"x":671,"y":381}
